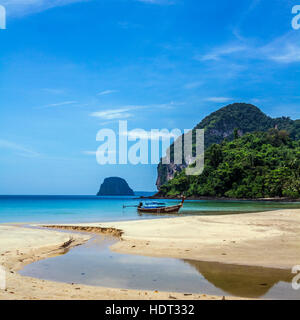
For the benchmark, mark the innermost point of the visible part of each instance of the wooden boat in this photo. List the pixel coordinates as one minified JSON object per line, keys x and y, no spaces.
{"x":155,"y":207}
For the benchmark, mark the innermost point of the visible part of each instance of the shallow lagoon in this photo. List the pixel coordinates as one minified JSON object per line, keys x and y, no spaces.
{"x":95,"y":264}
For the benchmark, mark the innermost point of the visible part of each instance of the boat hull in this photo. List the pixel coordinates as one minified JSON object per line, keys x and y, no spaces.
{"x":172,"y":209}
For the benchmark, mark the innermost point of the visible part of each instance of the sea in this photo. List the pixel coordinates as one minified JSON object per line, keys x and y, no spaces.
{"x":69,"y":209}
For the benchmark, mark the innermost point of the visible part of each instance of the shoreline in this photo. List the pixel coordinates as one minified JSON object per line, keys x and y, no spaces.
{"x":157,"y":196}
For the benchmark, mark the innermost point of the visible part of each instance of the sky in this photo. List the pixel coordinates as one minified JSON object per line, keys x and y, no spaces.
{"x":69,"y":68}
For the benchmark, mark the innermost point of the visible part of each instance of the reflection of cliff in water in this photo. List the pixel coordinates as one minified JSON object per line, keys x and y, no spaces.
{"x":242,"y":281}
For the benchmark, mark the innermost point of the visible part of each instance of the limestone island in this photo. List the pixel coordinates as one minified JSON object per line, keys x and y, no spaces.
{"x":115,"y":186}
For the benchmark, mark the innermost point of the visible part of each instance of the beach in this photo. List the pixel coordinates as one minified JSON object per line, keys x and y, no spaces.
{"x":20,"y":246}
{"x":266,"y":239}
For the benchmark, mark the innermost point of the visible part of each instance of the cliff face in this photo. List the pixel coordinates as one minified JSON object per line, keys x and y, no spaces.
{"x":115,"y":186}
{"x":221,"y":124}
{"x":258,"y":165}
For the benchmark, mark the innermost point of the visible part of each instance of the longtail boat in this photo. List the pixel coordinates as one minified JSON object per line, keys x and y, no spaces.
{"x":156,"y":207}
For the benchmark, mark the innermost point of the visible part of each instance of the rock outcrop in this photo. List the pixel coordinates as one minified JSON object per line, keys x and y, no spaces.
{"x":115,"y":186}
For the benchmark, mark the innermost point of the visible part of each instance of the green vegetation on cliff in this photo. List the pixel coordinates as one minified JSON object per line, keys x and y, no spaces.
{"x":256,"y":165}
{"x":246,"y":118}
{"x":221,"y":124}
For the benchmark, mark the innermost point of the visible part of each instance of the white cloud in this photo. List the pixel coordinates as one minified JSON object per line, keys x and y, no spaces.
{"x":288,"y":54}
{"x":105,"y":92}
{"x":170,"y":105}
{"x":60,"y":104}
{"x":112,"y":114}
{"x":18,"y":149}
{"x":125,"y":112}
{"x":218,"y":99}
{"x":281,"y":50}
{"x":244,"y":14}
{"x":24,"y":7}
{"x":149,"y":135}
{"x":218,"y":53}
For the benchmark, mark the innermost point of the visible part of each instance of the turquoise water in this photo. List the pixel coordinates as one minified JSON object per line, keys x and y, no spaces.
{"x":69,"y":209}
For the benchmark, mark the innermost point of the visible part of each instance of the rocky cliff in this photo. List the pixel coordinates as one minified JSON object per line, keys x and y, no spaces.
{"x":221,"y":124}
{"x":115,"y":186}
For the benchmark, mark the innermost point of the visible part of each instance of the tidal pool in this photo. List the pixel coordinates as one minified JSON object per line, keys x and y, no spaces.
{"x":95,"y":264}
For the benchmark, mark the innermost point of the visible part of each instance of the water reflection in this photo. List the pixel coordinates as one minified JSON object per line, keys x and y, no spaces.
{"x":95,"y":264}
{"x":243,"y":281}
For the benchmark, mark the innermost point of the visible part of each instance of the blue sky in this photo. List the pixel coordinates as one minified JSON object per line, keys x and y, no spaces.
{"x":158,"y":64}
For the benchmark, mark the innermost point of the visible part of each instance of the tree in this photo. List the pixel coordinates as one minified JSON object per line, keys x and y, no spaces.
{"x":236,"y":133}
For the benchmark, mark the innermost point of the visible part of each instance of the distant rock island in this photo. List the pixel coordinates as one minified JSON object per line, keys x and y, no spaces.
{"x":115,"y":186}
